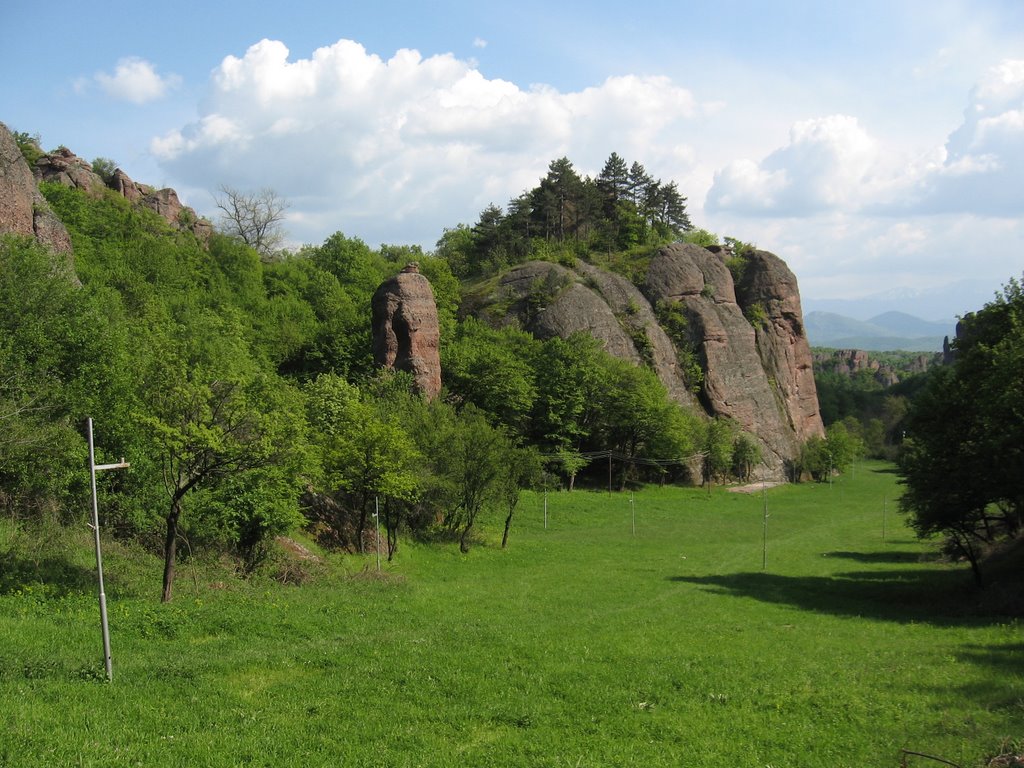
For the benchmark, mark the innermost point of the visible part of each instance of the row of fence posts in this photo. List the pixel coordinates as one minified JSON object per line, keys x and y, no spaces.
{"x":764,"y":526}
{"x":95,"y":525}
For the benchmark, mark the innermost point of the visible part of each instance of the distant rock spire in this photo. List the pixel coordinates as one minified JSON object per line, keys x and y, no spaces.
{"x":406,"y":333}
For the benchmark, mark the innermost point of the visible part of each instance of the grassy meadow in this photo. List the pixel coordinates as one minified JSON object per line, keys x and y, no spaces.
{"x":582,"y":644}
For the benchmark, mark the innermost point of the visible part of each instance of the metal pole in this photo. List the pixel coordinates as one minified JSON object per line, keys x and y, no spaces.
{"x":632,"y":509}
{"x":376,"y":518}
{"x":545,"y":507}
{"x":883,"y":518}
{"x":764,"y":545}
{"x":99,"y":560}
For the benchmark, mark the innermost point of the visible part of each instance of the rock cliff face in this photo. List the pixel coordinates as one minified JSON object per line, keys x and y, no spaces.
{"x":768,"y":293}
{"x":551,"y":300}
{"x":406,"y":333}
{"x":748,"y":338}
{"x":23,"y":210}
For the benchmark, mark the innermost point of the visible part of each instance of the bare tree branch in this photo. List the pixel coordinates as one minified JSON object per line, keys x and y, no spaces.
{"x":254,"y":217}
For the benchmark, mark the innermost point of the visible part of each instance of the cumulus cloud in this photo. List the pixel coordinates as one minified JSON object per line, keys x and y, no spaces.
{"x":135,"y":80}
{"x":979,"y":169}
{"x":408,"y":144}
{"x":833,"y":164}
{"x":827,"y":164}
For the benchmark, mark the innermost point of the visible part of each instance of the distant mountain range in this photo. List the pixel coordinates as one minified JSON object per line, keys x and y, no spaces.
{"x":885,"y":332}
{"x":947,"y":301}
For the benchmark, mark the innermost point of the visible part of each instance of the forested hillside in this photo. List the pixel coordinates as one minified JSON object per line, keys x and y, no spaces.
{"x":241,"y":386}
{"x":870,"y":393}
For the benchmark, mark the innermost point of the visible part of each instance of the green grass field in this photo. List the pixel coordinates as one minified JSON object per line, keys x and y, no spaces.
{"x":580,"y":645}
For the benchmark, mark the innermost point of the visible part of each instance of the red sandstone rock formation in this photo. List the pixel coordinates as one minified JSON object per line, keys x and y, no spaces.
{"x":406,"y":333}
{"x":749,"y":339}
{"x":23,"y":210}
{"x":752,"y":375}
{"x":769,"y":286}
{"x":64,"y":167}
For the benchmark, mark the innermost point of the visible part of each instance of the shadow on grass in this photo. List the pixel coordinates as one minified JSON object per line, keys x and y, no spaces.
{"x":56,"y":576}
{"x":881,"y":557}
{"x":940,"y":597}
{"x":999,"y":686}
{"x":1006,"y":660}
{"x":886,"y":471}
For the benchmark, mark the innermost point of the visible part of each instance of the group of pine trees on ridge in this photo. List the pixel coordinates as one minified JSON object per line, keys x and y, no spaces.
{"x":569,"y":215}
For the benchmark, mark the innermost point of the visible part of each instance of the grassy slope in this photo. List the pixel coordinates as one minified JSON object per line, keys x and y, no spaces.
{"x":579,"y":645}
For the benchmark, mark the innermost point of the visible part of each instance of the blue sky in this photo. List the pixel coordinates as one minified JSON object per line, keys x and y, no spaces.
{"x":877,"y":147}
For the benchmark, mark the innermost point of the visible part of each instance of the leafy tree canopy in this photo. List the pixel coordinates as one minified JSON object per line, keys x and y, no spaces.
{"x":963,"y":465}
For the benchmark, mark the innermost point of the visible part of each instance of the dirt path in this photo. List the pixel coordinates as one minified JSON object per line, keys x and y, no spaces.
{"x":754,"y":487}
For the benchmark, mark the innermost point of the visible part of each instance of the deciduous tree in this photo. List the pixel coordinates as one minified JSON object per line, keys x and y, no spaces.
{"x":255,"y":217}
{"x":963,"y":464}
{"x":211,"y":414}
{"x":364,"y":456}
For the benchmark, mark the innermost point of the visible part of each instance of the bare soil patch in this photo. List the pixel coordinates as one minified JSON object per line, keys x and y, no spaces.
{"x":754,"y":487}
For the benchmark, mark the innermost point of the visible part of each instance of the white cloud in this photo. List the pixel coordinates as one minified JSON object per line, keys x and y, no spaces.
{"x":479,"y":42}
{"x":983,"y":160}
{"x":1003,"y":83}
{"x":854,"y":218}
{"x":842,"y":255}
{"x":828,"y":164}
{"x":832,"y":164}
{"x":399,"y":148}
{"x":394,"y":150}
{"x":134,"y":80}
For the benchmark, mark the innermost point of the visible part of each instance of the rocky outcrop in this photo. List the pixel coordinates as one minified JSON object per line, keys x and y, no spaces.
{"x":551,"y":300}
{"x":756,"y":363}
{"x":130,"y":190}
{"x":406,"y":333}
{"x":165,"y":202}
{"x":768,"y":293}
{"x":853,"y":362}
{"x":64,"y":167}
{"x":23,"y":210}
{"x":748,"y":339}
{"x":16,"y":188}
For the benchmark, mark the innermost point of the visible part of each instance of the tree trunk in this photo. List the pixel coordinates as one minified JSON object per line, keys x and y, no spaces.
{"x":627,"y":464}
{"x":464,"y":539}
{"x":392,"y":519}
{"x":572,"y":481}
{"x":508,"y":524}
{"x":976,"y":570}
{"x":171,"y":549}
{"x":965,"y":545}
{"x":361,"y":528}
